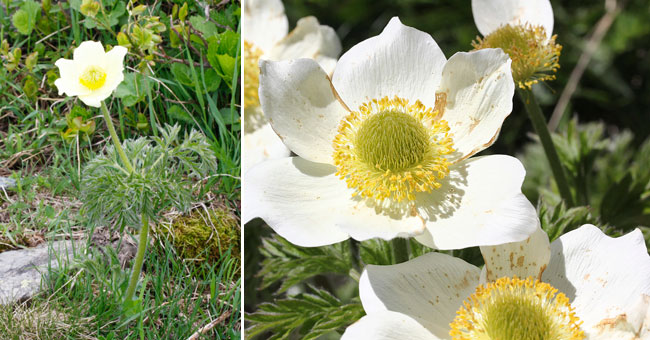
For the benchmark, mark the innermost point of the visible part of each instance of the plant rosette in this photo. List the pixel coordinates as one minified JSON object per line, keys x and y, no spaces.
{"x":396,"y":166}
{"x":267,"y":38}
{"x":92,"y":74}
{"x":592,"y":287}
{"x":523,"y":29}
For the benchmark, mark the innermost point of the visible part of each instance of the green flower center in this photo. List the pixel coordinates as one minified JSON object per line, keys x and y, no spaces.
{"x":516,"y":317}
{"x":392,"y":149}
{"x":392,"y":140}
{"x":515,"y":309}
{"x":93,"y":77}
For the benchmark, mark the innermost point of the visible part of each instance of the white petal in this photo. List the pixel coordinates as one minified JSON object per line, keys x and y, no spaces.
{"x":492,"y":14}
{"x":401,"y":61}
{"x":265,"y":22}
{"x":260,"y":145}
{"x":89,"y":53}
{"x":69,"y":83}
{"x":308,"y":40}
{"x":523,"y":259}
{"x":94,"y":99}
{"x":387,"y":326}
{"x":297,"y":198}
{"x":114,"y":67}
{"x":429,"y":288}
{"x":298,"y":100}
{"x":479,"y":89}
{"x":308,"y":205}
{"x":622,"y":327}
{"x":479,"y":204}
{"x":605,"y":278}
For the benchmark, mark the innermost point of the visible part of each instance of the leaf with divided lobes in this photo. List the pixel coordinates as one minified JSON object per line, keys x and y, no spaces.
{"x":309,"y":315}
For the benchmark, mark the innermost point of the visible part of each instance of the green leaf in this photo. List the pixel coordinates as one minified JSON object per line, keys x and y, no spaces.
{"x":229,"y":116}
{"x":290,"y":264}
{"x":22,"y":22}
{"x":182,"y":73}
{"x":212,"y":80}
{"x":309,"y":315}
{"x":30,"y":88}
{"x":132,"y":89}
{"x":201,"y":24}
{"x":182,"y":12}
{"x":227,"y":67}
{"x":228,"y":42}
{"x":177,"y":113}
{"x":25,"y":18}
{"x":557,"y":220}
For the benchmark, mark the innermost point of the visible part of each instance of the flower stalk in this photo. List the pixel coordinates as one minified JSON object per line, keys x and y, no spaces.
{"x":116,"y":140}
{"x":144,"y":231}
{"x":400,"y":249}
{"x":139,"y":258}
{"x":539,"y":123}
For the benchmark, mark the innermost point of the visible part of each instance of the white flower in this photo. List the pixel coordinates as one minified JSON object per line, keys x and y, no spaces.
{"x":383,"y":147}
{"x":490,"y":15}
{"x":92,"y":74}
{"x":524,"y":30}
{"x":591,"y":285}
{"x":266,"y":38}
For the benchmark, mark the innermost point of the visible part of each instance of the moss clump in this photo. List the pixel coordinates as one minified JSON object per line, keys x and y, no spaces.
{"x":204,"y":235}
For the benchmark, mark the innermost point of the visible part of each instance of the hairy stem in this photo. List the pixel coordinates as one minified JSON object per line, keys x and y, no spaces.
{"x":400,"y":249}
{"x":139,"y":258}
{"x":116,"y":140}
{"x":539,"y":123}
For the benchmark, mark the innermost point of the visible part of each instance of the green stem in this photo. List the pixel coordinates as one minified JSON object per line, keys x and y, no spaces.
{"x":400,"y":249}
{"x":139,"y":258}
{"x":354,"y":254}
{"x":539,"y":123}
{"x":116,"y":140}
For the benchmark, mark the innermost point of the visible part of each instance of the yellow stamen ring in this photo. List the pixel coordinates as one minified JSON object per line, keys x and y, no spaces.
{"x":390,"y":149}
{"x":251,"y":75}
{"x":534,"y":56}
{"x":515,"y":309}
{"x":93,"y":77}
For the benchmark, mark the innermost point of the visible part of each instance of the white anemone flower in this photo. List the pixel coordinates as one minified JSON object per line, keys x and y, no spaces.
{"x":266,"y":37}
{"x":524,"y":30}
{"x":592,"y":286}
{"x":383,"y":147}
{"x":92,"y":74}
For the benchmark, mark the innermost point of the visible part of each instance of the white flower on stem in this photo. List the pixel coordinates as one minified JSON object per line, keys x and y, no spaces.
{"x":383,"y":147}
{"x":524,"y":30}
{"x":266,"y":37}
{"x":92,"y":74}
{"x":585,"y":285}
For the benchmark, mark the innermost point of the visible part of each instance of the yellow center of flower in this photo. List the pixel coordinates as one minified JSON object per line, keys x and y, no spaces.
{"x":534,"y":56}
{"x":515,"y":309}
{"x":390,"y":149}
{"x":251,"y":74}
{"x":93,"y":77}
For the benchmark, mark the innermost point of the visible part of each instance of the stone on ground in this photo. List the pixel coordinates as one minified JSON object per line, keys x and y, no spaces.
{"x":21,"y":270}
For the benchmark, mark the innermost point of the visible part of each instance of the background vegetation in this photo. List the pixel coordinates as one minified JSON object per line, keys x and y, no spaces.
{"x":183,"y":69}
{"x":602,"y":140}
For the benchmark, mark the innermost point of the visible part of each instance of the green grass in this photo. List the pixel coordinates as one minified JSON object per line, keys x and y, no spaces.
{"x":82,"y":300}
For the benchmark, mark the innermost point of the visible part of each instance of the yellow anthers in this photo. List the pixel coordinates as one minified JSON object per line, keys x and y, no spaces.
{"x":93,"y":77}
{"x":391,"y":149}
{"x":515,"y":309}
{"x":251,"y":74}
{"x":534,"y":56}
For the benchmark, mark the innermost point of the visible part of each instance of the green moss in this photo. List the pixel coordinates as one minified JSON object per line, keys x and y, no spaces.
{"x":204,"y":236}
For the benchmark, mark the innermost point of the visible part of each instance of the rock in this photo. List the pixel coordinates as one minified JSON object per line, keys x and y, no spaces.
{"x":7,"y":183}
{"x":21,"y":270}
